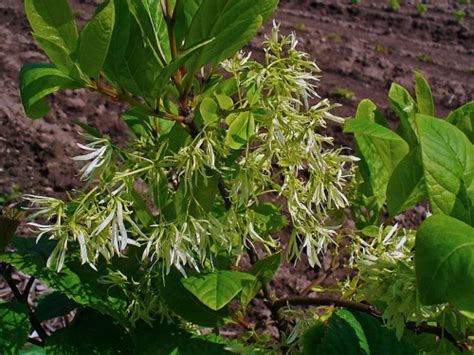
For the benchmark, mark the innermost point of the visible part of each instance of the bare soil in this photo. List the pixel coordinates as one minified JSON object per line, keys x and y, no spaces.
{"x":360,"y":48}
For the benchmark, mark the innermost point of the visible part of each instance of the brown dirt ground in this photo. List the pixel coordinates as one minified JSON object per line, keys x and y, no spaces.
{"x":361,"y":48}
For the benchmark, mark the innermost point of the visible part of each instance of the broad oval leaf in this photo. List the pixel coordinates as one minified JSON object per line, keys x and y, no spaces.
{"x":38,"y":81}
{"x":54,"y":26}
{"x":448,"y":165}
{"x":444,"y":262}
{"x":231,"y":23}
{"x":218,"y":288}
{"x":380,"y":149}
{"x":184,"y":304}
{"x":241,"y":129}
{"x":208,"y":110}
{"x":95,"y":39}
{"x":407,"y":185}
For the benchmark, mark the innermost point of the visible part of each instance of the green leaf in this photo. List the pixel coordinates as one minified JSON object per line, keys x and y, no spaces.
{"x":379,"y":148}
{"x":267,"y":218}
{"x":54,"y":305}
{"x":444,"y":255}
{"x":424,"y":97}
{"x":407,"y":185}
{"x":95,"y":39}
{"x":14,"y":327}
{"x":38,"y":81}
{"x":231,"y":23}
{"x":55,"y":29}
{"x":343,"y":335}
{"x":131,"y":65}
{"x":448,"y":165}
{"x":176,"y":64}
{"x":218,"y":288}
{"x":405,"y":108}
{"x":352,"y":332}
{"x":30,"y":349}
{"x":463,"y":118}
{"x":263,"y":270}
{"x":183,"y":303}
{"x":240,"y":130}
{"x":208,"y":110}
{"x":90,"y":333}
{"x":184,"y":18}
{"x":165,"y":339}
{"x":225,"y":102}
{"x":78,"y":282}
{"x":149,"y":16}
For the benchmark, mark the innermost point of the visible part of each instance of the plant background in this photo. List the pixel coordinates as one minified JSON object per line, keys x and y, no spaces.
{"x":361,"y":49}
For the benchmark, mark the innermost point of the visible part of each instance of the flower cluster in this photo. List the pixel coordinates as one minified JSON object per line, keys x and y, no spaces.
{"x":387,"y":275}
{"x":183,"y":199}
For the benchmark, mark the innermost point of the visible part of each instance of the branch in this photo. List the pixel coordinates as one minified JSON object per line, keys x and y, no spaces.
{"x":369,"y":309}
{"x":6,"y":271}
{"x":328,"y":301}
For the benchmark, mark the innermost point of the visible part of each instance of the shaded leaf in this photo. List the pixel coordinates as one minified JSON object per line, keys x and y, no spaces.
{"x":90,"y":333}
{"x":54,"y":305}
{"x":165,"y":339}
{"x":14,"y":327}
{"x":263,"y":270}
{"x":407,"y":185}
{"x":444,"y":254}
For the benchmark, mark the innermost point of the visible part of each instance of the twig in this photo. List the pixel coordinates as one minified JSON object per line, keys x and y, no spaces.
{"x":327,"y":301}
{"x":6,"y":271}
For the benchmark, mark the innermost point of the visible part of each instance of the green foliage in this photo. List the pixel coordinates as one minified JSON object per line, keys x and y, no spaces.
{"x":148,"y":251}
{"x":354,"y":333}
{"x":380,"y":149}
{"x":218,"y":288}
{"x":448,"y":165}
{"x":444,"y":268}
{"x":14,"y":327}
{"x":38,"y":81}
{"x":94,"y":40}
